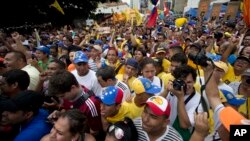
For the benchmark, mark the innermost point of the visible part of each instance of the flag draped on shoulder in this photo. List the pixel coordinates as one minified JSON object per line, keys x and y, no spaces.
{"x":57,"y":6}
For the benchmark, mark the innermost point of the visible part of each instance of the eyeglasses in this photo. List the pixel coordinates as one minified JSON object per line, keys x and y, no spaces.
{"x":119,"y":133}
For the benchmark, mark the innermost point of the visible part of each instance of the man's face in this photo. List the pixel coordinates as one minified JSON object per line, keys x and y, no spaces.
{"x":12,"y":118}
{"x":61,"y":130}
{"x":160,"y":38}
{"x":6,"y":89}
{"x":10,"y":61}
{"x":40,"y":55}
{"x":152,"y":123}
{"x":161,"y":55}
{"x":52,"y":68}
{"x":102,"y":82}
{"x":82,"y":68}
{"x":109,"y":110}
{"x":94,"y":53}
{"x":53,"y":52}
{"x":190,"y":84}
{"x":241,"y":64}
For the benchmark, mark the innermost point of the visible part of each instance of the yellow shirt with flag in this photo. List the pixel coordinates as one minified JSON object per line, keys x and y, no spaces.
{"x":230,"y":76}
{"x":123,"y":112}
{"x":135,"y":111}
{"x":130,"y":80}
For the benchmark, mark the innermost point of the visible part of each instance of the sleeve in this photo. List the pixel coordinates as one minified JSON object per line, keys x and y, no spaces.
{"x":91,"y":109}
{"x":97,"y":89}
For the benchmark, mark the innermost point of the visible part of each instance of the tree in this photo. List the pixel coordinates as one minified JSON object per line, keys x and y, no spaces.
{"x":30,"y":12}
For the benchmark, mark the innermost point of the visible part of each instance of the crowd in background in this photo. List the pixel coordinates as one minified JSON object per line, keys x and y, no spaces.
{"x":127,"y":83}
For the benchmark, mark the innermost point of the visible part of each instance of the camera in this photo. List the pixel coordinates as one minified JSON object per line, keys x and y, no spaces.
{"x":199,"y":58}
{"x":178,"y":83}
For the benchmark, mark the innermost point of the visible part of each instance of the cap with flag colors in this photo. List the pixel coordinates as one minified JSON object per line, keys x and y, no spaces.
{"x":141,"y":85}
{"x":112,"y":95}
{"x":159,"y":105}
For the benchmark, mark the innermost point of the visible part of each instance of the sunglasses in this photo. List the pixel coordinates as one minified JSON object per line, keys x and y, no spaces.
{"x":119,"y":133}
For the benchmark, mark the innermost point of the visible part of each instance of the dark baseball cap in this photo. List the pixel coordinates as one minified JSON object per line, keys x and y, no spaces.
{"x":242,"y":57}
{"x":25,"y":101}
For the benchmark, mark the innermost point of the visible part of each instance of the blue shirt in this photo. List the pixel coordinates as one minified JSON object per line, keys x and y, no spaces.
{"x":35,"y":129}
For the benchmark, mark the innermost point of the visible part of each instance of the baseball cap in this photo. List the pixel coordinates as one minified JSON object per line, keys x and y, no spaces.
{"x":44,"y":49}
{"x":232,"y":99}
{"x":160,"y":49}
{"x":98,"y":42}
{"x":221,"y":65}
{"x":112,"y":95}
{"x":25,"y":100}
{"x":79,"y":56}
{"x":97,"y":47}
{"x":132,"y":62}
{"x":242,"y":57}
{"x":229,"y":116}
{"x":141,"y":85}
{"x":159,"y":105}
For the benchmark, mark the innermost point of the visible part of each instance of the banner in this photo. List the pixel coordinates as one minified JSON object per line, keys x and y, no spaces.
{"x":203,"y":7}
{"x":232,"y":9}
{"x":215,"y":13}
{"x":103,"y":30}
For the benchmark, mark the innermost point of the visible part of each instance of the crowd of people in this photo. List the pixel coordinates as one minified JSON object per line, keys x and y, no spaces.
{"x":164,"y":83}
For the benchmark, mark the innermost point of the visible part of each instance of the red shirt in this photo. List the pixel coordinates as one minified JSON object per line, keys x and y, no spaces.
{"x":90,"y":106}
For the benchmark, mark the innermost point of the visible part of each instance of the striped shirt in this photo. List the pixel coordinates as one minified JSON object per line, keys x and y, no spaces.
{"x":170,"y":134}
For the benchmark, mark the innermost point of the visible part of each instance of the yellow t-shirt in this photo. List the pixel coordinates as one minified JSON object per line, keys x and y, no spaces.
{"x":117,"y":66}
{"x":123,"y":112}
{"x":135,"y":111}
{"x":165,"y":64}
{"x":230,"y":76}
{"x":130,"y":80}
{"x":165,"y":77}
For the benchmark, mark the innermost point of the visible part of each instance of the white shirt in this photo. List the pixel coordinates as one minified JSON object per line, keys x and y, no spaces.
{"x":89,"y":81}
{"x":34,"y":76}
{"x":190,"y":107}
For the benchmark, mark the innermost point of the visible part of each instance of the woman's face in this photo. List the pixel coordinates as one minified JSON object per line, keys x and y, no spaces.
{"x":246,"y":51}
{"x":61,"y":131}
{"x":112,"y":56}
{"x":148,"y":71}
{"x":138,"y":56}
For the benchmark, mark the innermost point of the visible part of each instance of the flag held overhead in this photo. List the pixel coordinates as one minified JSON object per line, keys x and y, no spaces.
{"x":57,"y":6}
